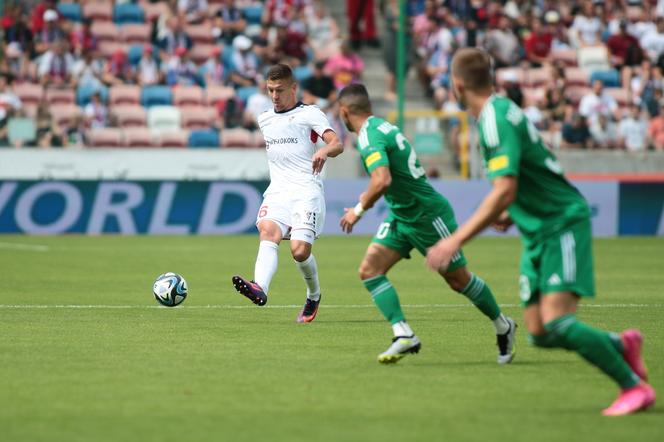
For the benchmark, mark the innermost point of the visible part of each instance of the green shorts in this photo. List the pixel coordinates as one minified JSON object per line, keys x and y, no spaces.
{"x":562,"y":262}
{"x":402,"y":236}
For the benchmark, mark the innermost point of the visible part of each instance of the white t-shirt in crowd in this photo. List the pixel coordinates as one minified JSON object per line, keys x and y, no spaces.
{"x":588,"y":29}
{"x":634,"y":133}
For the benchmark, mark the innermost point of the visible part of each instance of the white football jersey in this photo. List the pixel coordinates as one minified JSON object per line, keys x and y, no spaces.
{"x":290,"y":140}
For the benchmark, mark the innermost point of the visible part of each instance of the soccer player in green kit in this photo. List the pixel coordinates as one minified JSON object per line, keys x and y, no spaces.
{"x":530,"y":190}
{"x":418,"y":218}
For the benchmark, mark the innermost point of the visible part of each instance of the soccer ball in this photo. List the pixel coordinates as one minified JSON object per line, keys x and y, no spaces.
{"x":170,"y":289}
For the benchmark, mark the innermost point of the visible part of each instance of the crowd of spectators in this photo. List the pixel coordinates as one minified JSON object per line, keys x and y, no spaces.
{"x":159,"y":73}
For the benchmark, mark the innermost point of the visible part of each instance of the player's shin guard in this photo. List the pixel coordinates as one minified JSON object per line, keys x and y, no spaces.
{"x":595,"y":346}
{"x":266,"y":264}
{"x":309,"y":271}
{"x":481,"y":296}
{"x":385,"y":297}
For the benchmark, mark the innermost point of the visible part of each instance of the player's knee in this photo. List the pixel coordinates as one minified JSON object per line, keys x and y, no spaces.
{"x":301,"y":252}
{"x":456,"y":284}
{"x":367,"y":271}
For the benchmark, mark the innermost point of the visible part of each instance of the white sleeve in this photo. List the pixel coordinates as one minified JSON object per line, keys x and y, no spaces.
{"x":318,"y":121}
{"x":45,"y":64}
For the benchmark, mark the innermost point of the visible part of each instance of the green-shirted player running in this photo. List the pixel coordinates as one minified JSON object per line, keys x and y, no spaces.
{"x":530,"y":190}
{"x":419,"y":217}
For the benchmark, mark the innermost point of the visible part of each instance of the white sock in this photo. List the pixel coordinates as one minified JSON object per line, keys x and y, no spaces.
{"x":266,"y":264}
{"x":309,"y":271}
{"x":402,"y":328}
{"x":501,"y":324}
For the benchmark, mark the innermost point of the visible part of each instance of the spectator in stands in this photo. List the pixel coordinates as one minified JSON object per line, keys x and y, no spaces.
{"x":604,"y":132}
{"x":586,"y":28}
{"x":319,"y":88}
{"x":575,"y":133}
{"x":323,"y":32}
{"x":280,"y":12}
{"x":56,"y":65}
{"x":653,"y":41}
{"x":213,"y":71}
{"x":503,"y":44}
{"x":38,"y":18}
{"x":96,"y":113}
{"x":49,"y":34}
{"x":358,"y":12}
{"x":10,"y":103}
{"x":81,"y":38}
{"x":538,"y":43}
{"x":345,"y":67}
{"x":180,"y":70}
{"x":656,"y":132}
{"x":147,"y":70}
{"x":246,"y":65}
{"x":289,"y":47}
{"x":118,"y":70}
{"x":49,"y":134}
{"x":229,"y":22}
{"x":624,"y":48}
{"x":174,"y":37}
{"x":88,"y":71}
{"x":597,"y":102}
{"x":16,"y":29}
{"x":632,"y":130}
{"x":556,"y":107}
{"x":256,"y":105}
{"x":16,"y":62}
{"x":195,"y":11}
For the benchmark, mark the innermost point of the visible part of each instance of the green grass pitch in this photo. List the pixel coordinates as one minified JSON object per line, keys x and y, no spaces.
{"x":86,"y":354}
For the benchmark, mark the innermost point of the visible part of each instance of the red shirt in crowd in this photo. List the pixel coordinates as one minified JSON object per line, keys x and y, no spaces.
{"x":538,"y":44}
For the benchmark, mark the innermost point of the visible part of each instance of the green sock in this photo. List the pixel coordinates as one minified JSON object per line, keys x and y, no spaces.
{"x":595,"y":346}
{"x":385,"y":297}
{"x":480,"y":294}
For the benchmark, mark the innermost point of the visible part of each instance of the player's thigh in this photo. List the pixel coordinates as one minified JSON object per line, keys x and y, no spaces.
{"x":275,"y":209}
{"x":533,"y":320}
{"x":378,"y":260}
{"x":557,"y":304}
{"x":270,"y":230}
{"x":308,"y":213}
{"x":567,"y":263}
{"x":391,"y":234}
{"x":428,"y":231}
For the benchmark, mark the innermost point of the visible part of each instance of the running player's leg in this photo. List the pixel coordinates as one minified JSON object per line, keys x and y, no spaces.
{"x":377,"y":261}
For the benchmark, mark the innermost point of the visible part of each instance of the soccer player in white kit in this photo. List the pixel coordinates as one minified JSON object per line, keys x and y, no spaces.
{"x":293,"y":205}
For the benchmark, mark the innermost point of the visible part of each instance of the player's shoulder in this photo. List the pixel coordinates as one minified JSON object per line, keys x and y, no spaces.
{"x":500,"y":111}
{"x":310,"y":109}
{"x":265,"y":115}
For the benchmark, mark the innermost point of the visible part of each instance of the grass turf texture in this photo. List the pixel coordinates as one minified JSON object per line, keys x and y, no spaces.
{"x":246,"y":374}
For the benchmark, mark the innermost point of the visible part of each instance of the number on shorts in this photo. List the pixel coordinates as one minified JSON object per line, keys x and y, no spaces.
{"x":262,"y":212}
{"x":383,"y":229}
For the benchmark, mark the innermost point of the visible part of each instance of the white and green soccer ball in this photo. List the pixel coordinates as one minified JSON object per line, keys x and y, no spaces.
{"x":170,"y":289}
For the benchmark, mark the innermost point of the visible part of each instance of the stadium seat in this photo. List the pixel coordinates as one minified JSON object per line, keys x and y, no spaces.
{"x":98,"y":10}
{"x":201,"y":33}
{"x":187,"y":96}
{"x":154,"y":10}
{"x":130,"y":116}
{"x":108,"y":48}
{"x":301,"y":73}
{"x":173,"y":138}
{"x":576,"y":77}
{"x":60,"y":96}
{"x":200,"y":52}
{"x":609,"y":78}
{"x":198,"y":117}
{"x":237,"y":137}
{"x":622,"y":96}
{"x":64,"y":113}
{"x":509,"y":75}
{"x":533,"y":95}
{"x":125,"y":13}
{"x":105,"y":137}
{"x":254,"y":14}
{"x":244,"y":93}
{"x":594,"y":58}
{"x":156,"y":95}
{"x":575,"y":93}
{"x":164,"y":118}
{"x":567,"y":56}
{"x":258,"y":140}
{"x":71,"y":11}
{"x":204,"y":138}
{"x":134,"y":54}
{"x":105,"y":31}
{"x":537,"y":77}
{"x":21,"y":130}
{"x":215,"y":94}
{"x":136,"y":33}
{"x":29,"y":93}
{"x":124,"y":94}
{"x":138,"y":137}
{"x":84,"y":93}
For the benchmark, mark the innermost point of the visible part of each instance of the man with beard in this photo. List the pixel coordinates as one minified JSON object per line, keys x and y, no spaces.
{"x":419,"y":217}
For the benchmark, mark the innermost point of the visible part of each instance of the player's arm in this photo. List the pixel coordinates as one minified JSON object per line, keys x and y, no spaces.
{"x":381,"y":178}
{"x":332,"y":148}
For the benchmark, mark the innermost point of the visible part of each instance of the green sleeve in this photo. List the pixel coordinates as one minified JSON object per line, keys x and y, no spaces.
{"x":375,"y":153}
{"x":503,"y":147}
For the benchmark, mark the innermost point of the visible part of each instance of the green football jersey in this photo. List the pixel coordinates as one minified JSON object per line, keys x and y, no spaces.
{"x":410,"y":196}
{"x":545,"y":202}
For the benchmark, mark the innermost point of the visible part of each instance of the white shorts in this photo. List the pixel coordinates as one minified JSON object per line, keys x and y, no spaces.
{"x":297,"y":215}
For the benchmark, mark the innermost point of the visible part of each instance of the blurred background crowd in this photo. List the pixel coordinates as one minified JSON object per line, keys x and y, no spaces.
{"x":190,"y":72}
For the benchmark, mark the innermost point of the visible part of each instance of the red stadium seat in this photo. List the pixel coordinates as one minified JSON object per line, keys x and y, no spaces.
{"x":106,"y":137}
{"x":130,"y":115}
{"x":124,"y":94}
{"x":576,"y":76}
{"x":64,"y":113}
{"x":622,"y":96}
{"x":258,"y":140}
{"x":29,"y":93}
{"x":575,"y":93}
{"x":139,"y":137}
{"x":236,"y":138}
{"x":60,"y":96}
{"x":215,"y":94}
{"x":135,"y":33}
{"x":105,"y":31}
{"x":201,"y":52}
{"x":153,"y":10}
{"x":98,"y":10}
{"x":187,"y":96}
{"x":201,"y":33}
{"x":198,"y":117}
{"x":176,"y":138}
{"x":536,"y":77}
{"x":567,"y":56}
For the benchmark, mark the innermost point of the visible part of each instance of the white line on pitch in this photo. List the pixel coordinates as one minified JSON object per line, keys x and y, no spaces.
{"x":287,"y":306}
{"x":21,"y":246}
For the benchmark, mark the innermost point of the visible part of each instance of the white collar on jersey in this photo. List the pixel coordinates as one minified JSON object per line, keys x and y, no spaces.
{"x":486,"y":105}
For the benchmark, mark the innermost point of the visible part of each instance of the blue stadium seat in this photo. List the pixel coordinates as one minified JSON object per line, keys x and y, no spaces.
{"x":83,"y":94}
{"x":128,"y":13}
{"x":244,"y":93}
{"x":156,"y":95}
{"x":135,"y":53}
{"x":71,"y":11}
{"x":254,"y":14}
{"x":301,"y":73}
{"x":204,"y":138}
{"x":610,"y":78}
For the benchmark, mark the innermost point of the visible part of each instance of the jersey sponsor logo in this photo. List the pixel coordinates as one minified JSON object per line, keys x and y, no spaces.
{"x":372,"y":158}
{"x":284,"y":140}
{"x":498,"y":163}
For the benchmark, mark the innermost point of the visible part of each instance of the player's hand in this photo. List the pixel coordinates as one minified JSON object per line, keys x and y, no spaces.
{"x":440,"y":255}
{"x":318,"y":161}
{"x":348,"y":220}
{"x":503,"y":223}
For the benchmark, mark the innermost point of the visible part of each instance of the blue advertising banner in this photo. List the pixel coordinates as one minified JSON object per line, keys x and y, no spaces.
{"x":641,"y":209}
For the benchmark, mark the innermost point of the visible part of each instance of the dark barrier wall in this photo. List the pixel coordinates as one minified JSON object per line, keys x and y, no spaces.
{"x":641,"y":209}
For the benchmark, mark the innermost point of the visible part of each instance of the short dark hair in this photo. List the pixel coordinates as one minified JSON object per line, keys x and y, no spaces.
{"x":280,"y":71}
{"x":474,"y":67}
{"x":356,"y":98}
